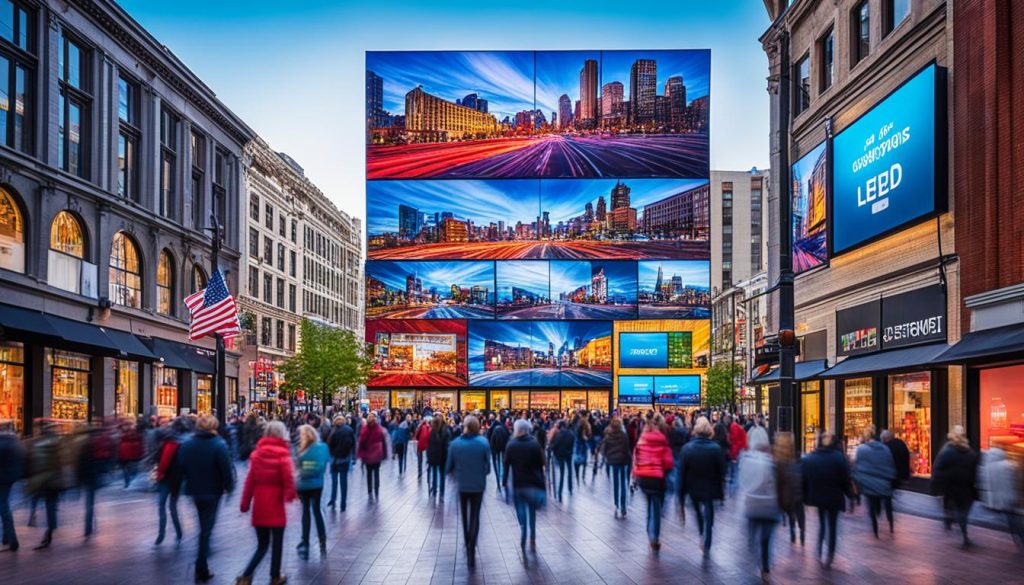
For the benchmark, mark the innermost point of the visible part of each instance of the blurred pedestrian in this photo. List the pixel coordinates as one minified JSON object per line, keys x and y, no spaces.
{"x":900,"y":456}
{"x":652,"y":462}
{"x":498,"y":438}
{"x":437,"y":456}
{"x":208,"y":475}
{"x":169,"y":477}
{"x":12,"y":460}
{"x":874,"y":474}
{"x":737,"y":443}
{"x":1001,"y":478}
{"x":581,"y":450}
{"x":758,"y":493}
{"x":615,"y":448}
{"x":400,"y":439}
{"x":422,"y":441}
{"x":95,"y":448}
{"x":826,"y":477}
{"x":524,"y":457}
{"x":702,"y":469}
{"x":313,"y":457}
{"x":372,"y":450}
{"x":562,"y":448}
{"x":129,"y":451}
{"x":954,"y":477}
{"x":342,"y":446}
{"x":469,"y":460}
{"x":46,"y":479}
{"x":791,"y":486}
{"x":268,"y":486}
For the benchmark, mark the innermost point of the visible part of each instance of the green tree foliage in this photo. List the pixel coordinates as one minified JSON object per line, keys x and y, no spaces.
{"x":329,"y":360}
{"x":723,"y":379}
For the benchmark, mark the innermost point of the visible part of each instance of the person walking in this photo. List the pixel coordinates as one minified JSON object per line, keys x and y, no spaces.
{"x":469,"y":459}
{"x":499,"y":441}
{"x":129,"y":451}
{"x":422,"y":441}
{"x":826,"y":479}
{"x":342,"y":445}
{"x":615,"y":448}
{"x":562,"y":448}
{"x":953,"y":478}
{"x":737,"y":443}
{"x":168,"y":479}
{"x":437,"y":456}
{"x":759,"y":493}
{"x":46,"y":479}
{"x":525,"y":458}
{"x":12,"y":460}
{"x":313,"y":457}
{"x":900,"y":456}
{"x":94,"y":448}
{"x":653,"y":460}
{"x":208,"y":475}
{"x":372,"y":450}
{"x":581,"y":450}
{"x":268,"y":486}
{"x":702,"y":469}
{"x":791,"y":486}
{"x":400,"y":439}
{"x":874,"y":474}
{"x":1001,"y":481}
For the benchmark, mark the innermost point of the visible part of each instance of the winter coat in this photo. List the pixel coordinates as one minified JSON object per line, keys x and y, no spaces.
{"x":873,"y":469}
{"x":789,"y":479}
{"x":1000,"y":479}
{"x":270,"y":483}
{"x":401,"y":435}
{"x":342,"y":442}
{"x":206,"y":465}
{"x":469,"y":457}
{"x":311,"y":465}
{"x":45,"y":469}
{"x":900,"y":458}
{"x":422,"y":437}
{"x":437,"y":447}
{"x":499,"y":438}
{"x":525,"y":457}
{"x":130,"y":448}
{"x":652,"y":457}
{"x":702,"y":470}
{"x":373,"y":444}
{"x":168,"y":469}
{"x":826,"y":478}
{"x":737,"y":440}
{"x":954,"y":475}
{"x":11,"y":459}
{"x":562,"y":444}
{"x":758,"y":491}
{"x":616,"y":447}
{"x":677,"y":437}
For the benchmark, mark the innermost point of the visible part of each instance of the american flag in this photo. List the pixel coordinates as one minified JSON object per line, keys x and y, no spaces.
{"x":213,"y":310}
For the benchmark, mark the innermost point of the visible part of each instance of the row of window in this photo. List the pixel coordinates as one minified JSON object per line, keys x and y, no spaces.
{"x":282,"y":223}
{"x":268,"y":252}
{"x":894,"y":12}
{"x":268,"y":337}
{"x":269,"y":289}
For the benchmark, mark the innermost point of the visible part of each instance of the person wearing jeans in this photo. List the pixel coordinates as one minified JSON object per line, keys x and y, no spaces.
{"x":437,"y":455}
{"x":11,"y":464}
{"x":874,"y":473}
{"x":525,"y":458}
{"x":702,"y":470}
{"x":168,"y":477}
{"x":269,"y":485}
{"x":372,"y":449}
{"x":208,"y":475}
{"x":469,"y":459}
{"x":615,"y":447}
{"x":758,"y":493}
{"x":341,"y":443}
{"x":653,"y":461}
{"x":826,"y":480}
{"x":562,"y":448}
{"x":313,"y":456}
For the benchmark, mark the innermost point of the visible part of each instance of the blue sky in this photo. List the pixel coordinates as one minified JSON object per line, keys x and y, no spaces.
{"x":694,"y":272}
{"x":527,"y":275}
{"x":434,"y":274}
{"x":567,"y":199}
{"x":568,"y":275}
{"x":536,"y":334}
{"x":294,"y":71}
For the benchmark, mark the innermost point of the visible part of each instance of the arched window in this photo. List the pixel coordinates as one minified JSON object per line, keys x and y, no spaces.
{"x":125,"y":272}
{"x":67,"y":254}
{"x":165,"y":283}
{"x":12,"y":234}
{"x":199,"y":279}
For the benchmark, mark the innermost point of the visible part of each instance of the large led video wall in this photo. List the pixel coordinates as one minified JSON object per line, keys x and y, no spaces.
{"x":522,"y":204}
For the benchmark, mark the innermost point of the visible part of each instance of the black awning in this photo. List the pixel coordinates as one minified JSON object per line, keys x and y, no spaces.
{"x":18,"y":324}
{"x":802,"y":372}
{"x":996,"y":344}
{"x":169,"y":352}
{"x":910,"y":358}
{"x":200,"y":360}
{"x":130,"y":346}
{"x":78,"y":336}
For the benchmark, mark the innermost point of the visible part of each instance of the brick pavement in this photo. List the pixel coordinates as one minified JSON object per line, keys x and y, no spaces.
{"x":407,"y":539}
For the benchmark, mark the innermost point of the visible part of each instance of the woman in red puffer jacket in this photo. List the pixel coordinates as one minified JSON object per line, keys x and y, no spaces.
{"x":652,"y":460}
{"x":269,"y":485}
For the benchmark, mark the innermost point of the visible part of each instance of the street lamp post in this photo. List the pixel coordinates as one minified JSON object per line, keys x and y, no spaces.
{"x":220,"y":390}
{"x":787,"y":308}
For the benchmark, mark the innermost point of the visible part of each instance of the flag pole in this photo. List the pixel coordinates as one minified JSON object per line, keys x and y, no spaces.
{"x":220,"y":390}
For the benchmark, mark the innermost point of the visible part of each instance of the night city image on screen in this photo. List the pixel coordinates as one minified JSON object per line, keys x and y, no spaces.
{"x":417,"y":353}
{"x":674,"y":289}
{"x":430,"y":290}
{"x":540,"y":353}
{"x":521,"y":114}
{"x":593,"y":290}
{"x":523,"y":289}
{"x":527,"y":219}
{"x":810,"y":249}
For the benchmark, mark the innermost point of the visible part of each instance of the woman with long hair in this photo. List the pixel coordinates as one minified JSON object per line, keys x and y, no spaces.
{"x":653,"y":460}
{"x":313,"y":456}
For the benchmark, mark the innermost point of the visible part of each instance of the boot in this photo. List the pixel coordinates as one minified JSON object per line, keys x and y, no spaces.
{"x":279,"y":580}
{"x":243,"y":580}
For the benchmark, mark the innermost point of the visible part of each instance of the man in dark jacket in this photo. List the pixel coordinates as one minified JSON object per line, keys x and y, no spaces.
{"x":469,"y":461}
{"x":954,"y":478}
{"x":342,"y":443}
{"x":826,"y":479}
{"x":561,"y":447}
{"x":11,"y":462}
{"x":525,"y":458}
{"x":206,"y":468}
{"x":499,"y":440}
{"x":702,"y":468}
{"x":617,"y":455}
{"x":900,"y":456}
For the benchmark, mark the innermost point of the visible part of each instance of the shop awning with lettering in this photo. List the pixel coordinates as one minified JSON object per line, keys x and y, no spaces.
{"x":883,"y":362}
{"x":998,"y":344}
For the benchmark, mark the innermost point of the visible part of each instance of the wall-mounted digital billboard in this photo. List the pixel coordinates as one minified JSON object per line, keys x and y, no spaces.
{"x":430,"y":290}
{"x":635,"y":389}
{"x":417,"y":353}
{"x":540,"y":353}
{"x":543,"y":220}
{"x":674,"y":289}
{"x":809,"y":200}
{"x":545,"y":114}
{"x":582,"y":289}
{"x":643,"y":350}
{"x":889,"y":166}
{"x":524,"y":290}
{"x":678,"y":390}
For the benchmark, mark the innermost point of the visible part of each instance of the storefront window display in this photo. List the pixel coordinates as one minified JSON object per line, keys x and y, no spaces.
{"x":597,"y":400}
{"x":763,"y":407}
{"x":910,"y":418}
{"x":544,"y":400}
{"x":574,"y":399}
{"x":377,"y":399}
{"x":204,"y":394}
{"x":810,"y":412}
{"x":473,"y":401}
{"x":165,"y":381}
{"x":857,"y":403}
{"x":126,"y":388}
{"x":439,"y":401}
{"x":70,"y":384}
{"x":12,"y":384}
{"x":499,"y":400}
{"x":404,"y":399}
{"x":1001,"y":396}
{"x":520,"y":400}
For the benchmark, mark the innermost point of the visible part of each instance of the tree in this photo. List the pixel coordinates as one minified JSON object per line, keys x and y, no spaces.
{"x":329,"y":359}
{"x":722,"y":380}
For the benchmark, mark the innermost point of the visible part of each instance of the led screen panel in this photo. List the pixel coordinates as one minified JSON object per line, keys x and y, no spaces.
{"x":636,"y":389}
{"x":513,"y":114}
{"x":429,"y":290}
{"x":643,"y":350}
{"x":886,"y":171}
{"x":523,"y":290}
{"x":674,"y":289}
{"x":540,"y":353}
{"x":582,"y":289}
{"x":810,"y":220}
{"x":678,"y":390}
{"x":417,"y":353}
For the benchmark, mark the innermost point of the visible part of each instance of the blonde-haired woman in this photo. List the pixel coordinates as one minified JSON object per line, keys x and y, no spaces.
{"x":953,"y":478}
{"x":312,"y":463}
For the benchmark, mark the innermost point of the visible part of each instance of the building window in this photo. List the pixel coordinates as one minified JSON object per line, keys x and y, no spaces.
{"x":17,"y":65}
{"x":197,"y":151}
{"x":291,"y":265}
{"x":165,"y":283}
{"x":282,"y":226}
{"x":254,"y":207}
{"x":126,"y":388}
{"x":73,"y":106}
{"x":265,"y":332}
{"x":280,"y":334}
{"x":254,"y":282}
{"x":291,"y":337}
{"x":291,"y":298}
{"x":220,"y":199}
{"x":826,"y":60}
{"x":295,"y":229}
{"x":69,"y":384}
{"x":268,"y":216}
{"x":125,"y":272}
{"x":12,"y":234}
{"x":67,"y":253}
{"x":268,"y":250}
{"x":254,"y":242}
{"x":280,"y":292}
{"x":168,"y":162}
{"x":199,"y":279}
{"x":894,"y":12}
{"x":127,"y":138}
{"x":280,"y":257}
{"x":268,"y":289}
{"x":802,"y":88}
{"x":860,"y":32}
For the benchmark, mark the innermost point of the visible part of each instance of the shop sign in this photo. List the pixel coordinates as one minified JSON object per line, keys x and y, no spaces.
{"x":914,"y":317}
{"x":857,"y":329}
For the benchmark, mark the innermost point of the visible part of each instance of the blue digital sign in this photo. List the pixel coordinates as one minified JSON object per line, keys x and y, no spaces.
{"x":643,"y":350}
{"x":885,"y":167}
{"x":635,"y":389}
{"x":678,"y":390}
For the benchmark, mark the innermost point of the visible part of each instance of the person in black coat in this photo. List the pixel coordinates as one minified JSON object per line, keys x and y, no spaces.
{"x":206,"y":469}
{"x":702,"y":469}
{"x":561,"y":448}
{"x":900,"y":456}
{"x":342,"y":444}
{"x":826,"y":485}
{"x":953,"y":478}
{"x":525,"y":458}
{"x":12,"y":460}
{"x":498,"y":436}
{"x":437,"y":455}
{"x":615,"y":447}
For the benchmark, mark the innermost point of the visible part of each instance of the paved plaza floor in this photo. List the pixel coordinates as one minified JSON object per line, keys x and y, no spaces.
{"x":405,"y":538}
